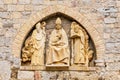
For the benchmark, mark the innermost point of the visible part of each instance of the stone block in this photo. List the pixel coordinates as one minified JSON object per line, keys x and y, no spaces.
{"x":16,"y":62}
{"x":16,"y":15}
{"x":15,"y":1}
{"x":38,"y":75}
{"x":37,"y":7}
{"x":110,"y":75}
{"x":2,"y":55}
{"x":3,"y":8}
{"x":5,"y":71}
{"x":7,"y":49}
{"x":110,"y":46}
{"x":109,"y":20}
{"x":7,"y":1}
{"x":5,"y":15}
{"x":113,"y":66}
{"x":28,"y":7}
{"x":37,"y":1}
{"x":1,"y":2}
{"x":106,"y":35}
{"x":19,"y":7}
{"x":2,"y":32}
{"x":11,"y":7}
{"x":106,"y":10}
{"x":8,"y":41}
{"x":118,"y":3}
{"x":24,"y":1}
{"x":2,"y":41}
{"x":10,"y":33}
{"x":15,"y":7}
{"x":25,"y":75}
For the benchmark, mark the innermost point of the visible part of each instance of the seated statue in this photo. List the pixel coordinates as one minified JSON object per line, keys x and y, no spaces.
{"x":58,"y":53}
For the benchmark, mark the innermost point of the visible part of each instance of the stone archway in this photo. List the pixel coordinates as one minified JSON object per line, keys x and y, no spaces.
{"x":24,"y":30}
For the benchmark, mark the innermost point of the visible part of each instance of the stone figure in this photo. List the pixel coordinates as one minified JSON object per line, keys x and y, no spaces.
{"x":78,"y":44}
{"x":34,"y":46}
{"x":39,"y":37}
{"x":81,"y":51}
{"x":58,"y":53}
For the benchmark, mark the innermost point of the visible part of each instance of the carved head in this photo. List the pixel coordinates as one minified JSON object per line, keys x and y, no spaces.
{"x":58,"y":23}
{"x":38,"y":25}
{"x":77,"y":28}
{"x":73,"y":25}
{"x":43,"y":23}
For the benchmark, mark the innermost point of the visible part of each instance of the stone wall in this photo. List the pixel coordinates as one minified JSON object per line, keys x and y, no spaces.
{"x":103,"y":14}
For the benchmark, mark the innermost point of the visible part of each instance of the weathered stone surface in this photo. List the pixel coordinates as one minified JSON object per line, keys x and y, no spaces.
{"x":1,"y":2}
{"x":5,"y":71}
{"x":98,"y":12}
{"x":113,"y":66}
{"x":3,"y":8}
{"x":16,"y":62}
{"x":16,"y":15}
{"x":37,"y":1}
{"x":72,"y":75}
{"x":24,"y":1}
{"x":109,"y":20}
{"x":25,"y":75}
{"x":2,"y":41}
{"x":7,"y":1}
{"x":15,"y":7}
{"x":28,"y":7}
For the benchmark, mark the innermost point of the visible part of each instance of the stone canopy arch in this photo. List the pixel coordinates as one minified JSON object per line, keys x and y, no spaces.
{"x":80,"y":18}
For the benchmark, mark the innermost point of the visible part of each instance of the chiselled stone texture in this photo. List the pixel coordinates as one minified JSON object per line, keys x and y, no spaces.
{"x":103,"y":19}
{"x":5,"y":72}
{"x":97,"y":39}
{"x":25,"y":75}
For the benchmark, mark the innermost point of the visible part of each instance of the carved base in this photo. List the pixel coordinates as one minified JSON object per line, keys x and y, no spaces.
{"x":71,"y":68}
{"x":57,"y":65}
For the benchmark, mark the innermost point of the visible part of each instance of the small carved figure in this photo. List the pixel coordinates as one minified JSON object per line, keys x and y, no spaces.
{"x":58,"y":52}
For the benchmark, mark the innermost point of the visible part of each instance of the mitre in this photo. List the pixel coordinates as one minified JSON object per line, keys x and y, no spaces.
{"x":58,"y":21}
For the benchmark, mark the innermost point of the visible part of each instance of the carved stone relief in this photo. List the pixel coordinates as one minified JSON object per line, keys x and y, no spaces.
{"x":58,"y":52}
{"x":58,"y":45}
{"x":81,"y":53}
{"x":34,"y":46}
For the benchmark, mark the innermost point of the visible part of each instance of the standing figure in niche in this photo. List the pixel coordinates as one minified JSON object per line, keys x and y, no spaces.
{"x":78,"y":44}
{"x":58,"y":53}
{"x":38,"y":37}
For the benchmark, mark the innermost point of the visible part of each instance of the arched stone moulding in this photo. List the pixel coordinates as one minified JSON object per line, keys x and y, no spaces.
{"x":34,"y":18}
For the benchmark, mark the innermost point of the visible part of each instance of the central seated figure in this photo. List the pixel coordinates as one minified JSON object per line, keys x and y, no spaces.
{"x":58,"y":51}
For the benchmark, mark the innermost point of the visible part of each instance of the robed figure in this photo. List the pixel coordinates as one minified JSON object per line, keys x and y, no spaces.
{"x":38,"y":37}
{"x":58,"y":52}
{"x":78,"y":44}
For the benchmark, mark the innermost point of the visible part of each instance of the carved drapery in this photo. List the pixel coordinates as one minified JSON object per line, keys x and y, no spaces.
{"x":62,"y":49}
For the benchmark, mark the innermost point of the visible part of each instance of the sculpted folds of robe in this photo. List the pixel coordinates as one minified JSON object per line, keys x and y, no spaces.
{"x":38,"y":55}
{"x":58,"y":48}
{"x":78,"y":40}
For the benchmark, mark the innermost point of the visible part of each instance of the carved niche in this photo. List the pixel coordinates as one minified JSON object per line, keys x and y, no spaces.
{"x":58,"y":41}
